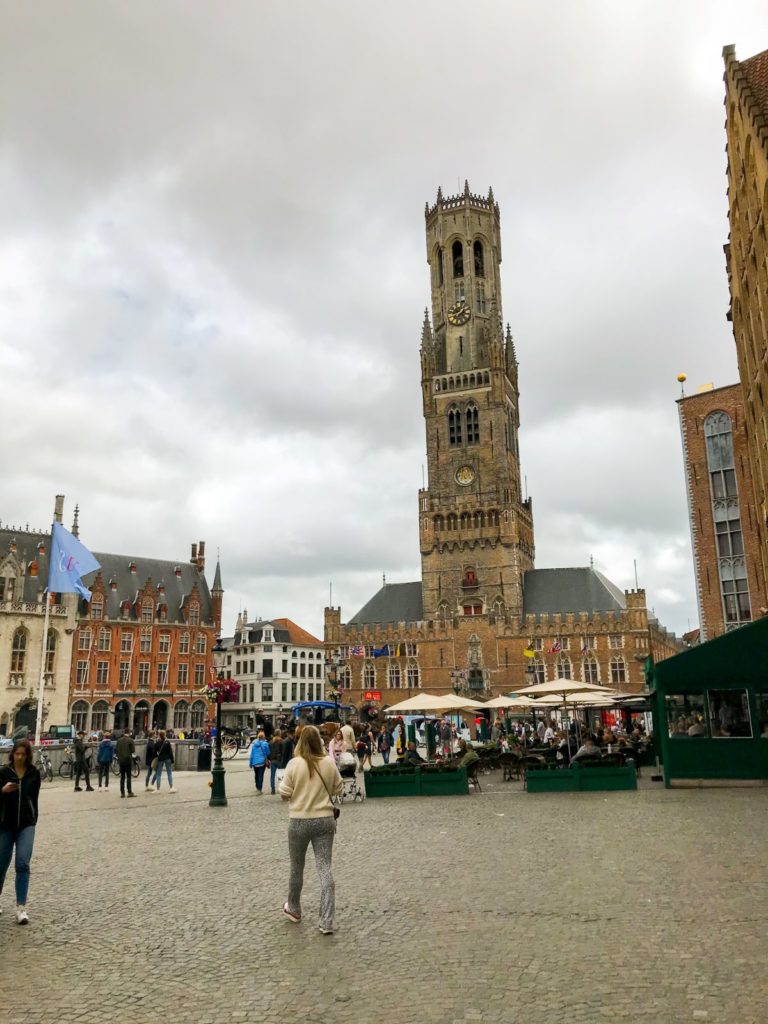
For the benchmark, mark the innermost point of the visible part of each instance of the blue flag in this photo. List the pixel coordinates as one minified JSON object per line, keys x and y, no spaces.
{"x":380,"y":652}
{"x":69,"y":561}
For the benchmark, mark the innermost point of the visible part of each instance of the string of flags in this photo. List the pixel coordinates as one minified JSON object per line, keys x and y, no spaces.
{"x":529,"y":652}
{"x":397,"y":651}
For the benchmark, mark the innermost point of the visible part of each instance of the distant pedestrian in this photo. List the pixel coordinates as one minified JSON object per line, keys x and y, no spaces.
{"x":311,"y":781}
{"x":350,"y":741}
{"x":258,"y":760}
{"x":164,"y":755}
{"x":104,"y":754}
{"x":446,"y":737}
{"x":19,"y":790}
{"x":81,"y":749}
{"x":275,"y":758}
{"x":384,"y":743}
{"x":150,"y":760}
{"x":336,"y":747}
{"x":125,"y":751}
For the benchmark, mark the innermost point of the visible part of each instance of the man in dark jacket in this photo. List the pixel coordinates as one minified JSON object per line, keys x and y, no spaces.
{"x":125,"y":751}
{"x":81,"y":764}
{"x":150,"y":757}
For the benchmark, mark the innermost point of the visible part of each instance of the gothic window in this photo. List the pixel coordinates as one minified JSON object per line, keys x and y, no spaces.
{"x":180,"y":715}
{"x":394,"y":677}
{"x":345,"y":677}
{"x":439,"y":262}
{"x":454,"y":427}
{"x":19,"y":650}
{"x":464,"y":520}
{"x":618,"y":671}
{"x":499,"y":608}
{"x":473,"y":424}
{"x":457,"y":252}
{"x":452,"y":521}
{"x":539,"y":671}
{"x":442,"y":611}
{"x":481,"y":303}
{"x":369,"y":677}
{"x":439,"y":523}
{"x":99,"y":714}
{"x":458,"y":290}
{"x":717,"y":430}
{"x":50,"y":650}
{"x":729,"y":537}
{"x":479,"y":258}
{"x":413,"y":675}
{"x":79,"y":715}
{"x":590,"y":672}
{"x":564,"y":667}
{"x":198,"y":715}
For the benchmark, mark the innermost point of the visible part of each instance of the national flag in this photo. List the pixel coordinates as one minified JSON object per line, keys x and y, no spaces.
{"x":70,"y":560}
{"x":585,"y":650}
{"x":399,"y":651}
{"x":556,"y":646}
{"x":380,"y":652}
{"x":529,"y":652}
{"x":357,"y":651}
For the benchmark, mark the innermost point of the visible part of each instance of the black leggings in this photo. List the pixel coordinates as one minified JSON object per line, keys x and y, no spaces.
{"x":103,"y":774}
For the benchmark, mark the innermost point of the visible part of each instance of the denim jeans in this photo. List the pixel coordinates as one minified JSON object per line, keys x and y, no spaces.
{"x":103,"y":774}
{"x":385,"y":755}
{"x":24,"y":841}
{"x":272,"y":775}
{"x":150,"y":781}
{"x":168,"y":765}
{"x":258,"y":771}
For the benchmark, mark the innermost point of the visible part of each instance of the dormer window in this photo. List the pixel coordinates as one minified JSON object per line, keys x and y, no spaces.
{"x":146,"y":611}
{"x":268,"y":636}
{"x":194,"y":614}
{"x":7,"y":588}
{"x":97,"y":608}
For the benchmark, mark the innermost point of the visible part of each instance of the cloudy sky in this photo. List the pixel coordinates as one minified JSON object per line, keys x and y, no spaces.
{"x":213,"y":275}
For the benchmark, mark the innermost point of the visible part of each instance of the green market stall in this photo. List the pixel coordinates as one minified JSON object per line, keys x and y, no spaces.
{"x":710,"y":709}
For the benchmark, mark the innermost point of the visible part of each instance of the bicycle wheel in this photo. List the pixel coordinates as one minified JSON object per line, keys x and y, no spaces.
{"x":135,"y":769}
{"x":115,"y":766}
{"x":48,"y":773}
{"x":228,"y":748}
{"x":65,"y":769}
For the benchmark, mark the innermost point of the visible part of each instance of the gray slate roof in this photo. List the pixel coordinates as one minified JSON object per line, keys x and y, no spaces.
{"x":548,"y":591}
{"x":26,"y":551}
{"x":116,"y":567}
{"x":395,"y":602}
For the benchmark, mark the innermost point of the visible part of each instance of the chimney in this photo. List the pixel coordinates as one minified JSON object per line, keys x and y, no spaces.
{"x":201,"y":555}
{"x":33,"y":568}
{"x":177,"y":571}
{"x":58,"y":509}
{"x":113,"y":584}
{"x":193,"y":559}
{"x":132,"y":568}
{"x":41,"y":548}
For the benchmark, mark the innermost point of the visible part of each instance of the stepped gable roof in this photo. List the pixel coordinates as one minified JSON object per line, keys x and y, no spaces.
{"x":553,"y":591}
{"x":26,"y":552}
{"x":395,"y":602}
{"x":297,"y":635}
{"x":177,"y":588}
{"x":756,"y":71}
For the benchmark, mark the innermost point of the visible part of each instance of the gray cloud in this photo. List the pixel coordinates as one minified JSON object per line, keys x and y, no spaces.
{"x":212,"y":272}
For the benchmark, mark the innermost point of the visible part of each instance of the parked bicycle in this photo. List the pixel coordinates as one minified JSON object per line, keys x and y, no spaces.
{"x":44,"y":766}
{"x":135,"y":767}
{"x":67,"y":765}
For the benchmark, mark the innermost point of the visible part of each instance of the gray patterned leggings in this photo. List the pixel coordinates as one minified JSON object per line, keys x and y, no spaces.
{"x":319,"y":832}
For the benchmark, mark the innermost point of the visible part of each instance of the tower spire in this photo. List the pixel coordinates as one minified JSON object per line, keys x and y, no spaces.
{"x":76,"y":522}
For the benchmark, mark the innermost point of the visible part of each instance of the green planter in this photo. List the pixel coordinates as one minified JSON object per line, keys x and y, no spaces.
{"x":542,"y":780}
{"x":397,"y":782}
{"x":593,"y":780}
{"x":446,"y":782}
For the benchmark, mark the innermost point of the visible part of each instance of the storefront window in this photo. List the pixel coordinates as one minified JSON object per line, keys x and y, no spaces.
{"x":762,"y":713}
{"x":686,"y":715}
{"x":729,"y":713}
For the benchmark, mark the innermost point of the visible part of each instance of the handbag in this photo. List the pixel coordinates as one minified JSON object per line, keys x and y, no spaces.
{"x":154,"y":763}
{"x":336,"y":810}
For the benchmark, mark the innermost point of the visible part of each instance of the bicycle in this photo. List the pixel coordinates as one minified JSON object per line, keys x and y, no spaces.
{"x":67,"y":765}
{"x":44,"y":766}
{"x":135,"y":766}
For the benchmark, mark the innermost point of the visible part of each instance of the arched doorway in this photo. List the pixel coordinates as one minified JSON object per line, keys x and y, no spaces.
{"x":122,"y":715}
{"x":160,"y":715}
{"x":140,"y":718}
{"x":26,"y":717}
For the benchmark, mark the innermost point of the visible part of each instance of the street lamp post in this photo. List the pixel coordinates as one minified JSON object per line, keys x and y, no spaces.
{"x":218,"y":790}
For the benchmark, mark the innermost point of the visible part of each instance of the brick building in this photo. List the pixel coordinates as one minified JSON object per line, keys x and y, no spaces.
{"x":480,"y":602}
{"x":143,"y":645}
{"x":722,"y":511}
{"x":746,"y":107}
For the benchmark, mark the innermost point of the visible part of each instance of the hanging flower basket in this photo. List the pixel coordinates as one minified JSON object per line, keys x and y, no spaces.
{"x":221,"y":691}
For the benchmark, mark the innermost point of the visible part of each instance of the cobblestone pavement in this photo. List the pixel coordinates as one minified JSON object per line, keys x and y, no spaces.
{"x":496,"y":907}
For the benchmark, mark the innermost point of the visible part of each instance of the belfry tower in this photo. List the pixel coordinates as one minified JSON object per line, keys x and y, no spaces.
{"x":475,"y":530}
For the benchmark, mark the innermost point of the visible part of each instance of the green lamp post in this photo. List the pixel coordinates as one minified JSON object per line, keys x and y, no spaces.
{"x":219,"y":691}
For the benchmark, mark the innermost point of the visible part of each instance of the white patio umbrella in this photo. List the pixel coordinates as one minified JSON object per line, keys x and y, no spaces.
{"x":433,"y":702}
{"x":563,"y":687}
{"x":509,"y":702}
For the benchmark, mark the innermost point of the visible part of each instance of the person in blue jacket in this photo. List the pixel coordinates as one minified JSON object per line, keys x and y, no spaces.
{"x":104,"y":755}
{"x":259,"y":760}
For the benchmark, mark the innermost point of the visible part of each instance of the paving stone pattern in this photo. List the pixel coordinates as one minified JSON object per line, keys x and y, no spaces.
{"x":496,"y":907}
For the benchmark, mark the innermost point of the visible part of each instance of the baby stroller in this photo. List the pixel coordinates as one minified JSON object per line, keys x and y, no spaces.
{"x":353,"y":790}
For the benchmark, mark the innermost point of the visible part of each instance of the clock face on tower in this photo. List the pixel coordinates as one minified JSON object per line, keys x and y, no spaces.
{"x":459,"y":313}
{"x":465,"y":475}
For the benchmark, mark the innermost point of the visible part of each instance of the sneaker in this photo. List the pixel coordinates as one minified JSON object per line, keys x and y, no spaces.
{"x":291,"y":917}
{"x":122,"y":796}
{"x":326,"y":931}
{"x":21,"y":915}
{"x":130,"y":795}
{"x":78,"y":789}
{"x":171,"y":790}
{"x":89,"y":789}
{"x":259,"y":792}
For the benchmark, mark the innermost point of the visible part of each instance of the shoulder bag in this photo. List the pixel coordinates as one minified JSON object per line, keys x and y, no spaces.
{"x":336,"y":810}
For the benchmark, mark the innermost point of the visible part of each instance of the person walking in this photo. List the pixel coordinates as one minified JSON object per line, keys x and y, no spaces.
{"x":336,"y":747}
{"x":258,"y":760}
{"x":81,"y":763}
{"x":350,"y":741}
{"x":19,"y":790}
{"x":104,"y":754}
{"x":164,"y":755}
{"x":125,"y":751}
{"x":150,"y":760}
{"x":311,"y":781}
{"x":275,"y":758}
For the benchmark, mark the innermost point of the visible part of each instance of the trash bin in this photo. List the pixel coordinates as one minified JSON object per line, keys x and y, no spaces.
{"x":204,"y":759}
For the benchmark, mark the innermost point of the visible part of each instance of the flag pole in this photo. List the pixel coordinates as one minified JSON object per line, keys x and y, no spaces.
{"x":41,"y":684}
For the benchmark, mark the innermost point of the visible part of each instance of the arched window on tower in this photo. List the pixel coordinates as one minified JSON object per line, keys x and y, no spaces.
{"x":479,"y":258}
{"x":457,"y":253}
{"x":473,"y":425}
{"x":454,"y":426}
{"x":481,"y":305}
{"x":439,"y":261}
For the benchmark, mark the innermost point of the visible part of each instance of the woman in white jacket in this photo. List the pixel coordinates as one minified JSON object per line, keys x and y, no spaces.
{"x":311,"y":781}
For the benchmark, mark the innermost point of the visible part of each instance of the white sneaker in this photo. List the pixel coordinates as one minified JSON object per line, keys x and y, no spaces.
{"x":171,"y":790}
{"x":21,"y":915}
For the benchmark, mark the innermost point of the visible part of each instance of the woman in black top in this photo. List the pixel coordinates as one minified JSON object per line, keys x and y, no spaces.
{"x":19,"y":790}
